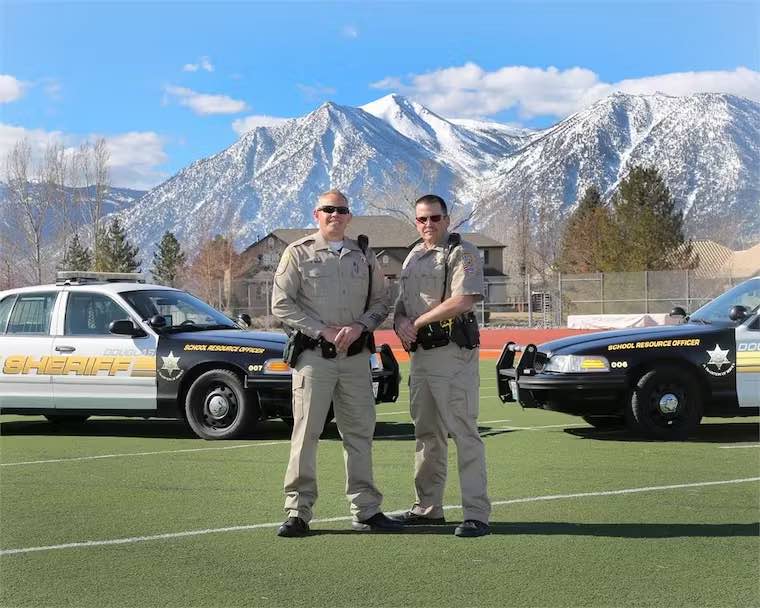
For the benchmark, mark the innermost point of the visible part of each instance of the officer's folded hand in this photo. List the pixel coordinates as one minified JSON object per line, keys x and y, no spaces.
{"x":405,"y":331}
{"x":347,"y":335}
{"x":330,"y":334}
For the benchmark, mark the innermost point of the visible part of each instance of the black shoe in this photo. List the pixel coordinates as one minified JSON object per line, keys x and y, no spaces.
{"x":471,"y":528}
{"x":411,"y":518}
{"x":293,"y":526}
{"x":377,"y":523}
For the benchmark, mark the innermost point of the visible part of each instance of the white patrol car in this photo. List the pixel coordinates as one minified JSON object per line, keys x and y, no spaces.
{"x":105,"y":344}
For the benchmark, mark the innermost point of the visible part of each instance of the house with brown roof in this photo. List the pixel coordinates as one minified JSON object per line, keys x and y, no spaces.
{"x":390,"y":238}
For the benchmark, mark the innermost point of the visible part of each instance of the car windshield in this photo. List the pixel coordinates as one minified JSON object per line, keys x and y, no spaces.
{"x":180,"y":310}
{"x":716,"y":311}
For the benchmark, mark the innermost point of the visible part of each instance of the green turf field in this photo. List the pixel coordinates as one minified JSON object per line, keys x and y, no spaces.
{"x":563,"y":532}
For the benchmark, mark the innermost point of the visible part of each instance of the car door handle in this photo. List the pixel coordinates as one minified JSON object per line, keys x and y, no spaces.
{"x":65,"y":349}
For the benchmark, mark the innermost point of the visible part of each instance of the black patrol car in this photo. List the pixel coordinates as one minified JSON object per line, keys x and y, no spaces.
{"x":660,"y":381}
{"x":107,"y":344}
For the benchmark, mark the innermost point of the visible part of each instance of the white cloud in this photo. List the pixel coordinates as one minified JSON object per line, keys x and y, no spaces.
{"x":11,"y":88}
{"x":248,"y":123}
{"x":316,"y":91}
{"x":135,"y":157}
{"x":204,"y":104}
{"x":203,"y":64}
{"x":350,"y":31}
{"x":470,"y":91}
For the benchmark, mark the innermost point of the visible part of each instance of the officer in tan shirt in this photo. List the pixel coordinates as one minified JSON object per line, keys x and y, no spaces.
{"x":321,"y":290}
{"x":441,"y":281}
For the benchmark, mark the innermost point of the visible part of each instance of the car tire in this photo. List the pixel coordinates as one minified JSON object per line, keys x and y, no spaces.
{"x":605,"y":423}
{"x":64,"y":419}
{"x":216,"y":406}
{"x":666,"y":403}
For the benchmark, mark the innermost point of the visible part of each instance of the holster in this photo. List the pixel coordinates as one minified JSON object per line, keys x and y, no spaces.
{"x":297,"y":343}
{"x":465,"y":332}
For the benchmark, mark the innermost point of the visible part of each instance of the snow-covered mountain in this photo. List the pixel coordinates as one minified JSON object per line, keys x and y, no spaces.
{"x":470,"y":146}
{"x":270,"y":178}
{"x":707,"y":147}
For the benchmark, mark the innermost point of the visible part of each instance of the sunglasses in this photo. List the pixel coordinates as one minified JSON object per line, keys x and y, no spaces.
{"x":433,"y":218}
{"x":333,"y":209}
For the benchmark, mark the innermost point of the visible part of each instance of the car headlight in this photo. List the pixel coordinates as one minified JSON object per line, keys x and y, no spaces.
{"x":276,"y":366}
{"x":573,"y":364}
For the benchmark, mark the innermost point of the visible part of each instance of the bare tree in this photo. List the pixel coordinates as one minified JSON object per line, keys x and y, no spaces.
{"x":54,"y":174}
{"x":28,"y":200}
{"x":91,"y":181}
{"x":397,"y":197}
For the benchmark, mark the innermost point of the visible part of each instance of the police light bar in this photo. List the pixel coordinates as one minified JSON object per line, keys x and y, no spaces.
{"x":78,"y":277}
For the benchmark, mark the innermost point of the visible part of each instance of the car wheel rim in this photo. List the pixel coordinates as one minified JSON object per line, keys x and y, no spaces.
{"x":668,"y":405}
{"x":220,"y":408}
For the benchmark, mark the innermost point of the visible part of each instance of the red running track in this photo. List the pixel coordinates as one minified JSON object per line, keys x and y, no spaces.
{"x":491,"y":340}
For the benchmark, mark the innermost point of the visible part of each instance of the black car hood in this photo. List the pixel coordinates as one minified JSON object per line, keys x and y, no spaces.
{"x":268,"y":339}
{"x":590,"y":341}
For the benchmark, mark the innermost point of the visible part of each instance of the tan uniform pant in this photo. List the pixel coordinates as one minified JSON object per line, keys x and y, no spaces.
{"x":443,"y":389}
{"x":347,"y":383}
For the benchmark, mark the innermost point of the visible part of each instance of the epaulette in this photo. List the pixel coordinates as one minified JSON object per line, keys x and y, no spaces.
{"x":304,"y":239}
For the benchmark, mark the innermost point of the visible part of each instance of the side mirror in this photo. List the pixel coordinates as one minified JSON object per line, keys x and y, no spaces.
{"x":125,"y":327}
{"x":678,"y":312}
{"x":738,"y":313}
{"x":244,"y":319}
{"x":157,"y":322}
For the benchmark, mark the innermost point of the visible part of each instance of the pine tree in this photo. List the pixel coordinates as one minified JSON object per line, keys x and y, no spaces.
{"x":649,"y":227}
{"x":168,"y":260}
{"x":586,"y":240}
{"x":115,"y":253}
{"x":76,"y":257}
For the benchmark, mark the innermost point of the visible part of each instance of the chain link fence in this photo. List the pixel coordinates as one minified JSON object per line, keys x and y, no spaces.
{"x":529,"y":301}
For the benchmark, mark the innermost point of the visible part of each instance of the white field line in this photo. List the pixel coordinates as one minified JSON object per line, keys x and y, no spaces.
{"x":738,"y":447}
{"x":187,"y":533}
{"x":103,"y":456}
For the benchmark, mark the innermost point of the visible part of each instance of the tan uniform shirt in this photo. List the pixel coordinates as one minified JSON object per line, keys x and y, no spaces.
{"x":421,"y":280}
{"x":315,"y":287}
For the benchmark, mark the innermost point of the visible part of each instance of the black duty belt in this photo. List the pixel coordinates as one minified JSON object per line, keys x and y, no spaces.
{"x":462,"y":330}
{"x":328,"y":349}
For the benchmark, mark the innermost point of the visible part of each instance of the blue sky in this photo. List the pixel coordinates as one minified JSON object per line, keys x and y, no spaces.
{"x":167,"y":83}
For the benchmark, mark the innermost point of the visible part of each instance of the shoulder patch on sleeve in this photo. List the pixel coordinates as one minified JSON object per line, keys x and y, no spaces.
{"x":468,"y":261}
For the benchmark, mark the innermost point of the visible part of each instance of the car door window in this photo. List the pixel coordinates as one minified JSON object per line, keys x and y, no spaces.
{"x":90,"y":314}
{"x":6,"y":304}
{"x":31,"y":314}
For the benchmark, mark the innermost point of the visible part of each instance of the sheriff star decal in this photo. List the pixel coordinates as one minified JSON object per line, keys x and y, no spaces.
{"x":170,"y":369}
{"x":719,"y":364}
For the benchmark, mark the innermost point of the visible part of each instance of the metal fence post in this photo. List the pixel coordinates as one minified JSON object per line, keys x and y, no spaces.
{"x":268,"y":298}
{"x":646,"y":292}
{"x":688,"y":291}
{"x":558,"y":318}
{"x":526,"y":282}
{"x":601,"y":293}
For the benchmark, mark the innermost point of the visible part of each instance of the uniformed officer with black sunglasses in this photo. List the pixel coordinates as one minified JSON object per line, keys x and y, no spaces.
{"x":441,"y":281}
{"x":331,"y":294}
